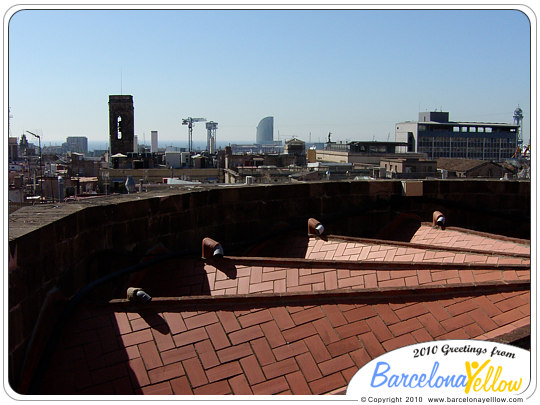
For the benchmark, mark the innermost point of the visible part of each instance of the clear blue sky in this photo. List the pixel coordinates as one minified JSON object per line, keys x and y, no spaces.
{"x":355,"y":73}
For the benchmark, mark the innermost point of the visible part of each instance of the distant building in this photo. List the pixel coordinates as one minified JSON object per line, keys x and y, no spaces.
{"x":25,"y":148}
{"x":154,"y":142}
{"x":235,"y":160}
{"x":83,"y":167}
{"x":438,"y":137}
{"x":470,"y":168}
{"x":77,"y":144}
{"x":409,"y":168}
{"x":297,"y":148}
{"x":211,"y":130}
{"x":177,"y":160}
{"x":275,"y":147}
{"x":121,"y":124}
{"x":13,"y":146}
{"x":54,"y":149}
{"x":364,"y":152}
{"x":265,"y":131}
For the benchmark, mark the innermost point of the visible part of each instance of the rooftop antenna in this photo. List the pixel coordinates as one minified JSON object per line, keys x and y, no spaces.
{"x":121,"y":80}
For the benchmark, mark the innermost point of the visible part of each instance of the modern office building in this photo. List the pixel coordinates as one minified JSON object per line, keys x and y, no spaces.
{"x":365,"y":152}
{"x":265,"y":131}
{"x":438,"y":137}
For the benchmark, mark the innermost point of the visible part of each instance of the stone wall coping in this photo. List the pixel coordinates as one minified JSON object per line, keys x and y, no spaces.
{"x":31,"y":218}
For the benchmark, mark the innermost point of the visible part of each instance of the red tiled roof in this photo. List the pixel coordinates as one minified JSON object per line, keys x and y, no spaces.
{"x":300,"y":324}
{"x":460,"y":164}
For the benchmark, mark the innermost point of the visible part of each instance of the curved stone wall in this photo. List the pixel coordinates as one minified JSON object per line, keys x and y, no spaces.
{"x":69,"y":245}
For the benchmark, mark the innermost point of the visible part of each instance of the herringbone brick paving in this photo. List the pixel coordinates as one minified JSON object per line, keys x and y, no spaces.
{"x":471,"y":240}
{"x":290,"y":348}
{"x":301,"y":349}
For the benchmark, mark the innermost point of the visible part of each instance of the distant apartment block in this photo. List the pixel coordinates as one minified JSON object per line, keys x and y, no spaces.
{"x":438,"y":137}
{"x":154,"y":141}
{"x":77,"y":144}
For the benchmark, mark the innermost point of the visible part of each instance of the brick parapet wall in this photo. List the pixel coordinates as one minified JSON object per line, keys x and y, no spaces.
{"x":70,"y":245}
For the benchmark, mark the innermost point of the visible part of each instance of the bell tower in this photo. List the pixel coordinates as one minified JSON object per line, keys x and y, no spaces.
{"x":121,"y":124}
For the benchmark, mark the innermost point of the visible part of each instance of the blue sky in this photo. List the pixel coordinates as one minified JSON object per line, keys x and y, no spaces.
{"x":355,"y":73}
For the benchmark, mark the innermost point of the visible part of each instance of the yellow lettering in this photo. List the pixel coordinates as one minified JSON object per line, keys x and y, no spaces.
{"x":502,"y":386}
{"x":487,"y":384}
{"x":477,"y":384}
{"x":488,"y":376}
{"x":470,"y":375}
{"x":497,"y":374}
{"x":515,"y":387}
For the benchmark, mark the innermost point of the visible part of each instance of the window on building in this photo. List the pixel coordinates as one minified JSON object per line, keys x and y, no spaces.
{"x":119,"y":127}
{"x":410,"y":142}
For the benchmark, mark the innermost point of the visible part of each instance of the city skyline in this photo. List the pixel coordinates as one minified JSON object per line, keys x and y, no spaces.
{"x":355,"y":73}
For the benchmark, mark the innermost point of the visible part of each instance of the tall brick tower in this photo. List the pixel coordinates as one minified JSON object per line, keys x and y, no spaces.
{"x":121,"y":124}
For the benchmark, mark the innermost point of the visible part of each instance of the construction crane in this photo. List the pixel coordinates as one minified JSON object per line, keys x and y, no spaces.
{"x":189,"y":122}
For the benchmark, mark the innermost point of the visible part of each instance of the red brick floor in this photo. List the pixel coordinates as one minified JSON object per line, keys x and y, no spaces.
{"x":258,"y":326}
{"x":463,"y":238}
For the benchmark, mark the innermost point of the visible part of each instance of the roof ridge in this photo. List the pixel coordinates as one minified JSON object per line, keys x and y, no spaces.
{"x":367,"y":295}
{"x":282,"y":262}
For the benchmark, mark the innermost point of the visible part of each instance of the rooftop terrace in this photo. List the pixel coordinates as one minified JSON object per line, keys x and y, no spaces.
{"x":284,"y":311}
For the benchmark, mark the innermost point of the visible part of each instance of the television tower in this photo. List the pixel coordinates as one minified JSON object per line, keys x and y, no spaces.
{"x":211,"y":128}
